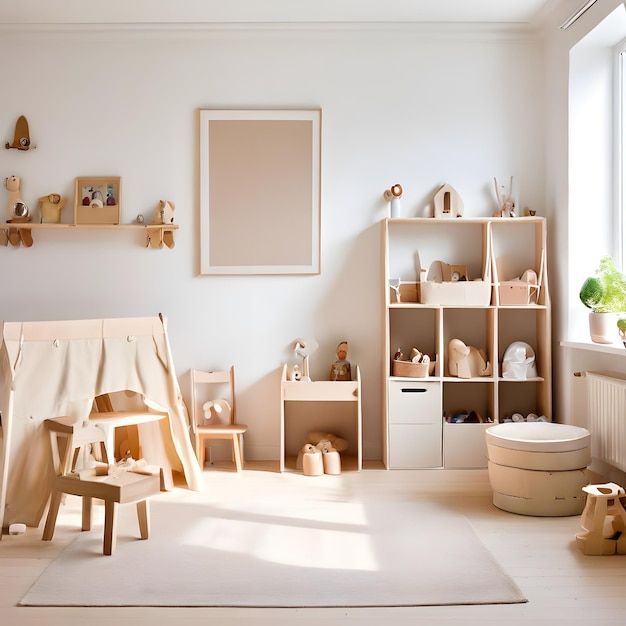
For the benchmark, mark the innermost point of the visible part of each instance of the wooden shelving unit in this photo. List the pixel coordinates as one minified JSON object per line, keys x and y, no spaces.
{"x":415,"y":431}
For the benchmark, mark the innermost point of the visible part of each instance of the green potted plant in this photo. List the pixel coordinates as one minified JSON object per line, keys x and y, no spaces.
{"x":605,"y":294}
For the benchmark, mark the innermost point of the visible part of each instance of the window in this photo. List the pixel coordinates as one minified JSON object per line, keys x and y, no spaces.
{"x":620,"y":152}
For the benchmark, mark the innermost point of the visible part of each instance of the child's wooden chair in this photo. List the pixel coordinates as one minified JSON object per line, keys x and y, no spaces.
{"x":216,"y":428}
{"x":67,"y":438}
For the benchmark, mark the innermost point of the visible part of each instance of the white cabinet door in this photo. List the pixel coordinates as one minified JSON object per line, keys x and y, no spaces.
{"x":415,"y":424}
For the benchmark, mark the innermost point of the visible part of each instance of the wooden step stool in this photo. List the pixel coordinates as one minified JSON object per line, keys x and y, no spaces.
{"x":67,"y":438}
{"x":604,"y":520}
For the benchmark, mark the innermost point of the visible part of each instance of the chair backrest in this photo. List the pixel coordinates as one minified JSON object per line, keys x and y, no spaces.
{"x":224,"y":383}
{"x":76,"y":436}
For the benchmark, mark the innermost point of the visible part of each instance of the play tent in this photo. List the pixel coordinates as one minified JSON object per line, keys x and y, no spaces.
{"x":50,"y":369}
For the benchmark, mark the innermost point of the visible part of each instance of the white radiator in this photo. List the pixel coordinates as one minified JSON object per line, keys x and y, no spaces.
{"x":606,"y":408}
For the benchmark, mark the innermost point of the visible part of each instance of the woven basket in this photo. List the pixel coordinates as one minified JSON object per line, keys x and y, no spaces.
{"x":408,"y":369}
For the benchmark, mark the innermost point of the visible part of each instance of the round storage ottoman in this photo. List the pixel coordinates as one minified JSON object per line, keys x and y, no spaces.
{"x":538,"y":468}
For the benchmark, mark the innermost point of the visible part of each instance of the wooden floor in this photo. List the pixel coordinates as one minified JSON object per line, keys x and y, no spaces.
{"x":563,"y":586}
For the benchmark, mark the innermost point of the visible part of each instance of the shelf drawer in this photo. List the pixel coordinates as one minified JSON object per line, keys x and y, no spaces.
{"x":415,"y":402}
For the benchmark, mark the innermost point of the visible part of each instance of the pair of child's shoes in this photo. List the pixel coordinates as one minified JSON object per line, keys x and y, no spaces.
{"x":318,"y":460}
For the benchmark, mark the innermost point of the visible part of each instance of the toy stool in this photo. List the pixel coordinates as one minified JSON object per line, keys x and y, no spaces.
{"x":604,"y":519}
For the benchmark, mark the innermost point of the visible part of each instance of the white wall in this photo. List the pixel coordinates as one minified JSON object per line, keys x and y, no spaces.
{"x":399,"y":104}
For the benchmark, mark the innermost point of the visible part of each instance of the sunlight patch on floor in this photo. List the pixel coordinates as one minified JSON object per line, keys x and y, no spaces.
{"x":303,"y":538}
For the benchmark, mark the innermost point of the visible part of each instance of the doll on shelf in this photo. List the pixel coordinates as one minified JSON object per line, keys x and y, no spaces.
{"x":340,"y":369}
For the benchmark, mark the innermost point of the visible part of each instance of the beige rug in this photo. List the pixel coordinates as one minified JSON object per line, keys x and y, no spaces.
{"x":320,"y":552}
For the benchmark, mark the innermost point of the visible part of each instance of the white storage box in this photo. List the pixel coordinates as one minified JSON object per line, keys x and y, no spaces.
{"x":472,"y":293}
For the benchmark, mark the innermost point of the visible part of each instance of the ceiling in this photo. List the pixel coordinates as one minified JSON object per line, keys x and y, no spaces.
{"x":272,"y":11}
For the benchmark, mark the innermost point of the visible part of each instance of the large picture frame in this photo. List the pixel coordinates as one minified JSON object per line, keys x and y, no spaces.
{"x":260,"y":191}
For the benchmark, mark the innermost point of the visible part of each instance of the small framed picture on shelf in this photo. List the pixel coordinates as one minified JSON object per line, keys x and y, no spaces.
{"x":97,"y":200}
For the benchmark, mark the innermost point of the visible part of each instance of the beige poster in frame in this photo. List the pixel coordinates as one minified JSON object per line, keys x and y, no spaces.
{"x":260,"y":191}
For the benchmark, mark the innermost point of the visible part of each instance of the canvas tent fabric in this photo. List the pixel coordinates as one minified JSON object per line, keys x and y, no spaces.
{"x":56,"y":368}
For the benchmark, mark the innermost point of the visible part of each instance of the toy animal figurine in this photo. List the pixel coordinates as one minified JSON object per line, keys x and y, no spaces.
{"x":16,"y":207}
{"x":506,"y":203}
{"x":18,"y":213}
{"x":51,"y":207}
{"x":164,"y":214}
{"x":467,"y":361}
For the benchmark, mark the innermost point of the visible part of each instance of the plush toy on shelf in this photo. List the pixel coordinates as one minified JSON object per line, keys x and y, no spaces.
{"x":18,"y":214}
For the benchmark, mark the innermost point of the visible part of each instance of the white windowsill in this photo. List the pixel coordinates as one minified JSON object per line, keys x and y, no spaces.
{"x":616,"y":348}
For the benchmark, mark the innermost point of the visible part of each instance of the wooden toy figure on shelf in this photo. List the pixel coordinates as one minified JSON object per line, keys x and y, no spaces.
{"x":51,"y":207}
{"x":506,"y":204}
{"x":164,"y":214}
{"x":340,"y":369}
{"x":18,"y":214}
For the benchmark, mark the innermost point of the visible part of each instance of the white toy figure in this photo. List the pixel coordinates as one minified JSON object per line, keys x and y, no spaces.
{"x":304,"y":348}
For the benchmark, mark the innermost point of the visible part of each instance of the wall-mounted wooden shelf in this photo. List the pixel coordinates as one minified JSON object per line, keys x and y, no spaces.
{"x":12,"y":233}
